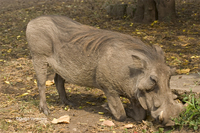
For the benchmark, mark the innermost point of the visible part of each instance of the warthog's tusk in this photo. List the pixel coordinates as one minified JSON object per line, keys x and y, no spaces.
{"x":161,"y":116}
{"x":174,"y":96}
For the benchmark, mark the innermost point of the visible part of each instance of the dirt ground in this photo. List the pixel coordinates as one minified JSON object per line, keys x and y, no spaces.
{"x":18,"y":90}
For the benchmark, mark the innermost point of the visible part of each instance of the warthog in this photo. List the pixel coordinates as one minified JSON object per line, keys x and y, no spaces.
{"x":118,"y":64}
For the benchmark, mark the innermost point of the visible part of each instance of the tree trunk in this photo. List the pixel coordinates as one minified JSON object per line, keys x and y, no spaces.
{"x":150,"y":10}
{"x":166,"y":10}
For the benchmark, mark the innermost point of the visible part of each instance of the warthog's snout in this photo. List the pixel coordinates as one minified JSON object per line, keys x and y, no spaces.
{"x":165,"y":116}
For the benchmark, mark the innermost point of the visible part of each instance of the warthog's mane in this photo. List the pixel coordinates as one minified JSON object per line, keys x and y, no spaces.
{"x":92,"y":39}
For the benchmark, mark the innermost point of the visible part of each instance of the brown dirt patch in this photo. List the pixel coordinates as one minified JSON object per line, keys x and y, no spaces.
{"x":19,"y":94}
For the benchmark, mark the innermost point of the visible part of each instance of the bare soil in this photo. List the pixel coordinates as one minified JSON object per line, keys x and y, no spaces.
{"x":18,"y":90}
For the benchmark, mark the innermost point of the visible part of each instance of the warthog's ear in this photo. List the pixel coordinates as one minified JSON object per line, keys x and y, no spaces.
{"x":137,"y":67}
{"x":138,"y":62}
{"x":159,"y":51}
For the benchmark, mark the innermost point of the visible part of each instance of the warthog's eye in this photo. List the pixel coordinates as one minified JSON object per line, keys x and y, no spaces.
{"x":153,"y":81}
{"x":154,"y":78}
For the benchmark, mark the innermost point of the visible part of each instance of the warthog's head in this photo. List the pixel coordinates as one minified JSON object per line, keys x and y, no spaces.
{"x":153,"y":90}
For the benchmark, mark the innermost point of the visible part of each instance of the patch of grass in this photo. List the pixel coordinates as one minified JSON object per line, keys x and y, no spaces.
{"x":125,"y":130}
{"x":4,"y":125}
{"x":35,"y":102}
{"x":160,"y":130}
{"x":87,"y":88}
{"x":144,"y":130}
{"x":191,"y":116}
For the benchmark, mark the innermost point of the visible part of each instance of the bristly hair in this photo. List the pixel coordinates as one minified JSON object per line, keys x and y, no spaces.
{"x":93,"y":39}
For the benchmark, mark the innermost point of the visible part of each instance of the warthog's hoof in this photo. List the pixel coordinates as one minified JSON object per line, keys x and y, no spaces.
{"x":44,"y":109}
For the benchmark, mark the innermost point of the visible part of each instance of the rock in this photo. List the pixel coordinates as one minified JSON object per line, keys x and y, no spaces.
{"x":185,"y":83}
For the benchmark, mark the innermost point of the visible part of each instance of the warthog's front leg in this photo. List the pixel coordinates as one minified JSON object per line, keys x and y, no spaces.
{"x":40,"y":66}
{"x":136,"y":111}
{"x":115,"y":105}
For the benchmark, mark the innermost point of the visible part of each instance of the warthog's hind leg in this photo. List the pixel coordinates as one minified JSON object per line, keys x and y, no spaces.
{"x":40,"y":66}
{"x":59,"y":81}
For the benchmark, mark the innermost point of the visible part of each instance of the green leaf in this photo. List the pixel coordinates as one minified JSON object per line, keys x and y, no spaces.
{"x":185,"y":99}
{"x":196,"y":127}
{"x":192,"y":123}
{"x":169,"y":131}
{"x":193,"y":100}
{"x":161,"y":130}
{"x":189,"y":103}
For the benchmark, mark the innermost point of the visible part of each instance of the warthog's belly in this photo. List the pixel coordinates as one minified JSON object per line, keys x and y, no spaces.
{"x":74,"y":71}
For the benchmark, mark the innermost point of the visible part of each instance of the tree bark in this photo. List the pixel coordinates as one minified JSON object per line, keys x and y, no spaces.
{"x":150,"y":10}
{"x":166,"y":10}
{"x":139,"y":13}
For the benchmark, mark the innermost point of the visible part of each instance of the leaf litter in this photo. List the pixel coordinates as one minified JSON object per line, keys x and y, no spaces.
{"x":18,"y":91}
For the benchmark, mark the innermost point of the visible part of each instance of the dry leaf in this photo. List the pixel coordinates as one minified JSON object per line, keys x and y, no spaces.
{"x":24,"y":94}
{"x":7,"y":82}
{"x":147,"y":123}
{"x":92,"y":103}
{"x":29,"y":78}
{"x":35,"y":81}
{"x":62,"y":119}
{"x":125,"y":101}
{"x":128,"y":126}
{"x":101,"y":113}
{"x":183,"y":71}
{"x":19,"y":80}
{"x":22,"y":88}
{"x":101,"y":119}
{"x":183,"y":45}
{"x":18,"y":36}
{"x":131,"y":24}
{"x":9,"y":50}
{"x":108,"y":123}
{"x":193,"y":57}
{"x":49,"y":82}
{"x":8,"y":120}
